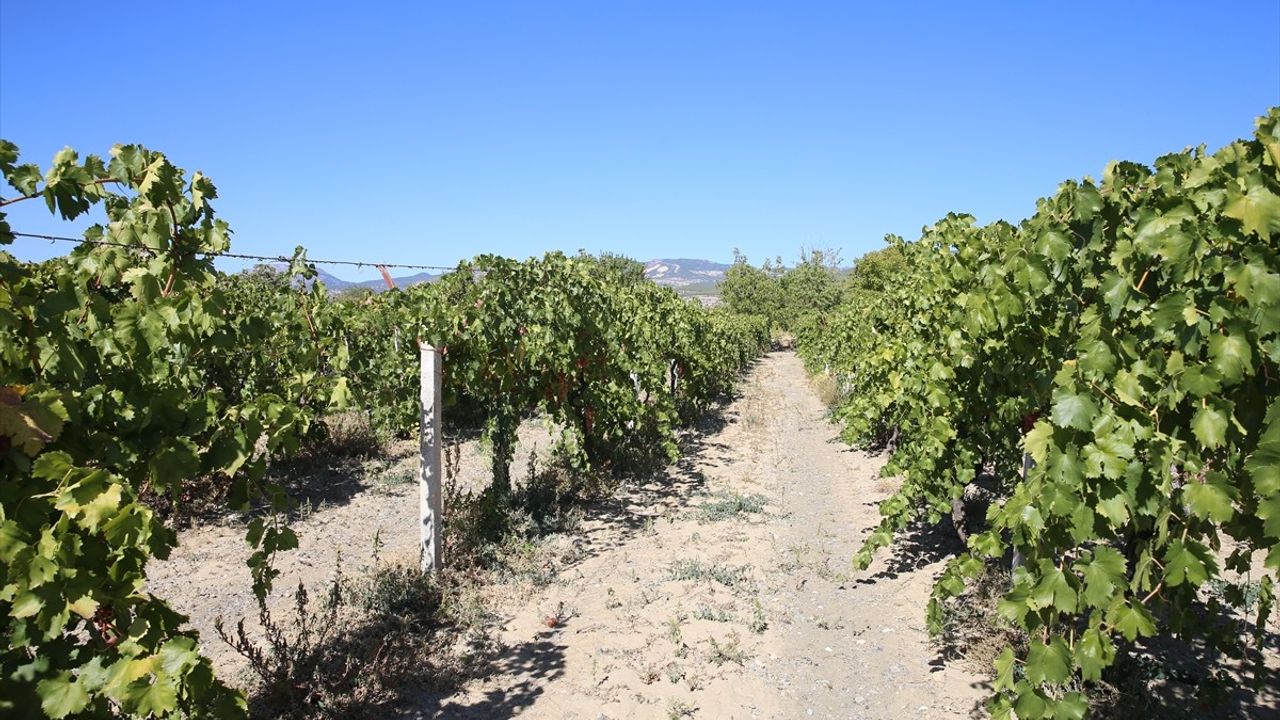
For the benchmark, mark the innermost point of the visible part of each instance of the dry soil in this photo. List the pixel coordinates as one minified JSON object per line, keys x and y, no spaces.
{"x":722,"y":589}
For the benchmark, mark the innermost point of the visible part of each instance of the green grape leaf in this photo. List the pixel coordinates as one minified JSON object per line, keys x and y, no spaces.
{"x":340,"y":396}
{"x":1210,"y":500}
{"x":1053,"y":590}
{"x":1258,"y":210}
{"x":1072,"y":410}
{"x":1037,"y":441}
{"x":1113,"y":505}
{"x":1231,"y":356}
{"x":159,"y":697}
{"x":1094,"y":652}
{"x":1004,"y":670}
{"x":1029,"y":704}
{"x":1187,"y":562}
{"x":1269,"y":513}
{"x":1049,"y":663}
{"x":1103,"y":575}
{"x":1209,"y":425}
{"x":1071,"y":706}
{"x":1128,"y":388}
{"x":1131,"y":620}
{"x":61,"y":696}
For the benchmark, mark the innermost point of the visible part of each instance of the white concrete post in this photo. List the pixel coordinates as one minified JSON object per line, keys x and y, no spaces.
{"x":429,"y":480}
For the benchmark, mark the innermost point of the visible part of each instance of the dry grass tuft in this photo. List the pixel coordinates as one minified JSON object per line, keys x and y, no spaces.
{"x":972,"y":629}
{"x":827,"y":389}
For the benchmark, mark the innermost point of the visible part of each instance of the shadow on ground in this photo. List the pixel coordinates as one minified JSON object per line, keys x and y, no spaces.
{"x":609,"y":523}
{"x":615,"y":521}
{"x":536,"y":663}
{"x":919,"y":545}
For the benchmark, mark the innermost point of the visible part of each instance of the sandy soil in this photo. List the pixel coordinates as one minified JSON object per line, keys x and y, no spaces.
{"x":358,"y":516}
{"x":652,"y":631}
{"x":671,"y":605}
{"x":721,"y":589}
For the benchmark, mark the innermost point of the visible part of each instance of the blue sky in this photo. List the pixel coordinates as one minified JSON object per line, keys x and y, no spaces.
{"x":427,"y":132}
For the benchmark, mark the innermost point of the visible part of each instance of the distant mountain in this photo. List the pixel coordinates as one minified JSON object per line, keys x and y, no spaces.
{"x":379,"y":284}
{"x":331,"y":281}
{"x":683,"y":272}
{"x":335,"y":284}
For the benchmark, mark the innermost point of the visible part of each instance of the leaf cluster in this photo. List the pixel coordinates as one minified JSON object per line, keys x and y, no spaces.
{"x":1113,"y":361}
{"x":130,"y":368}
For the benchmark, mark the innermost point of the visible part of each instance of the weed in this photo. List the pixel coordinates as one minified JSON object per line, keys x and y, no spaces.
{"x":304,"y":510}
{"x":971,"y":627}
{"x":396,"y":476}
{"x":649,"y":674}
{"x":646,"y":597}
{"x":294,"y":666}
{"x":673,"y":628}
{"x":731,"y":506}
{"x":349,"y":434}
{"x":1243,"y":596}
{"x":827,"y":388}
{"x":758,"y":622}
{"x":693,"y":681}
{"x":353,"y":652}
{"x":520,"y":559}
{"x":726,"y":575}
{"x":706,"y":612}
{"x":399,"y":595}
{"x":677,"y":709}
{"x":730,"y":651}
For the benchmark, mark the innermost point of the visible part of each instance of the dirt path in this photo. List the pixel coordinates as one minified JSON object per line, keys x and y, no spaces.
{"x":722,"y":590}
{"x":689,"y":603}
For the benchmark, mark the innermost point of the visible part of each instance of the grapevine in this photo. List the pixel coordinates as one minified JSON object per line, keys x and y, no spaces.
{"x":134,"y":366}
{"x":1126,"y":338}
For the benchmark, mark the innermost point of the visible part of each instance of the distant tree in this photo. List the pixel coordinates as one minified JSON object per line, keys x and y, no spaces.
{"x":625,"y":268}
{"x":354,"y":294}
{"x":256,"y":279}
{"x":878,"y":269}
{"x":753,"y":290}
{"x":812,"y":286}
{"x":264,"y":273}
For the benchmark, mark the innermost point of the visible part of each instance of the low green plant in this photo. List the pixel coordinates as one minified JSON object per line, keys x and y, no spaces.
{"x":677,"y":709}
{"x":728,"y":651}
{"x":694,"y":570}
{"x":706,"y":612}
{"x":731,"y":505}
{"x":367,"y":640}
{"x":758,"y":621}
{"x":295,"y":663}
{"x":673,"y":628}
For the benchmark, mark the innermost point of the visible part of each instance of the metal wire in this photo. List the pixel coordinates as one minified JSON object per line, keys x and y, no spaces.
{"x":238,"y":256}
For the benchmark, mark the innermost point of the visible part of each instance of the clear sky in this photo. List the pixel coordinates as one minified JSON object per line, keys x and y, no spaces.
{"x":426,"y":132}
